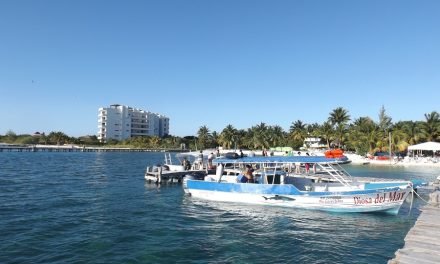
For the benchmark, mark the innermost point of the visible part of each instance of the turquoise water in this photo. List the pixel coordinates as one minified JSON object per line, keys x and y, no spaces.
{"x":97,"y":208}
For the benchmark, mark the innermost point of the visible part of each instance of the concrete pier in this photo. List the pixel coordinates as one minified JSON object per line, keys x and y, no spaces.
{"x":422,"y":243}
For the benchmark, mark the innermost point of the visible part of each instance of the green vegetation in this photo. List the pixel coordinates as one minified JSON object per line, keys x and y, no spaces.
{"x":362,"y":135}
{"x":53,"y":138}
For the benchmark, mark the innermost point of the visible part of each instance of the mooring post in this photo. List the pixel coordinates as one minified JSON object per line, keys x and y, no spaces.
{"x":434,"y":197}
{"x":160,"y":175}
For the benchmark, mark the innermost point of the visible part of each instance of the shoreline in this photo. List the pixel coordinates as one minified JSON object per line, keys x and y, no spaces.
{"x":77,"y":148}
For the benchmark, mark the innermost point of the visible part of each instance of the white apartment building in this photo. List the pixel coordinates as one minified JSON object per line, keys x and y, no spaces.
{"x":121,"y":122}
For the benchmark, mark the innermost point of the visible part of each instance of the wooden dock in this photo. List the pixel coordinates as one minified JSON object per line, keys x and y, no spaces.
{"x":422,"y":243}
{"x":74,"y":148}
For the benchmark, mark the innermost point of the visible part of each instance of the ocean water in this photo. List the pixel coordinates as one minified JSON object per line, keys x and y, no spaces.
{"x":97,"y":208}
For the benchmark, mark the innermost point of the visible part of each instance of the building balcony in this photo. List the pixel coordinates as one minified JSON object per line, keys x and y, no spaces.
{"x":138,"y":121}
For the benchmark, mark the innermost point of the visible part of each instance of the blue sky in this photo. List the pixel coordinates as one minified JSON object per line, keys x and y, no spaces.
{"x":215,"y":63}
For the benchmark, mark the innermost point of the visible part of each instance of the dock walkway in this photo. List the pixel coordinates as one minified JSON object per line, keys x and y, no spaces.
{"x":74,"y":148}
{"x":422,"y":243}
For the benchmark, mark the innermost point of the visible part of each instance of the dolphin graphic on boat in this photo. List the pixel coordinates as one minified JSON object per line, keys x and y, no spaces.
{"x":279,"y":197}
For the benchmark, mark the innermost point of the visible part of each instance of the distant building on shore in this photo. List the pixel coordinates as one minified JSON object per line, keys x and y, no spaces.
{"x":122,"y":122}
{"x":314,"y":143}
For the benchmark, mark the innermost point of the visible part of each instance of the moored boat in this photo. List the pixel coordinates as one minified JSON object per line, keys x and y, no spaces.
{"x":277,"y":182}
{"x":196,"y":164}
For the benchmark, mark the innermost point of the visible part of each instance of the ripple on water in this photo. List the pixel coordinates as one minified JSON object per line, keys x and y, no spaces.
{"x":97,"y":208}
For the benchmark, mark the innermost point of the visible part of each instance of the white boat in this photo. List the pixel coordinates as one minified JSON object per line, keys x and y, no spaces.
{"x":194,"y":163}
{"x":278,"y":183}
{"x":198,"y":160}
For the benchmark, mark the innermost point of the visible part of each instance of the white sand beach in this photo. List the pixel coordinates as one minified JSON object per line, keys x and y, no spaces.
{"x":407,"y":161}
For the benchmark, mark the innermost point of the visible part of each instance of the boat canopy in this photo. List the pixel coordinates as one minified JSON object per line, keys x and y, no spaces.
{"x":434,"y":146}
{"x":194,"y":154}
{"x":279,"y":159}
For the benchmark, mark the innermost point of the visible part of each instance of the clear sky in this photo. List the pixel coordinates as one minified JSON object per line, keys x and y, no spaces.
{"x":214,"y":63}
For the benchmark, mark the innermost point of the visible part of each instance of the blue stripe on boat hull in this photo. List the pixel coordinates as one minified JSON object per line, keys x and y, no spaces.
{"x":280,"y":189}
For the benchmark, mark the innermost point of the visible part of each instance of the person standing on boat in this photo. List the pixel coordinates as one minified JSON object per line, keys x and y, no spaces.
{"x":297,"y":167}
{"x":200,"y":160}
{"x":307,"y":165}
{"x":186,"y":164}
{"x":210,"y":158}
{"x":241,"y":153}
{"x":249,"y":174}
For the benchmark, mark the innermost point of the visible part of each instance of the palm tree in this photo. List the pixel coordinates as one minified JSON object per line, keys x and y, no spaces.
{"x":228,"y":136}
{"x":57,"y":138}
{"x":364,"y":124}
{"x":214,"y":138}
{"x":43,"y":139}
{"x":339,"y":118}
{"x":246,"y":138}
{"x":313,"y":129}
{"x":260,"y":136}
{"x":366,"y":133}
{"x":276,"y":136}
{"x":298,"y":132}
{"x":398,"y":140}
{"x":432,"y":126}
{"x":414,"y":131}
{"x":326,"y":132}
{"x":341,"y":131}
{"x":373,"y":139}
{"x":204,"y":136}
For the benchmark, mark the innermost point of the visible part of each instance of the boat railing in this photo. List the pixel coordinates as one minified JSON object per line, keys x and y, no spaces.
{"x":337,"y":172}
{"x":270,"y":172}
{"x":168,"y":160}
